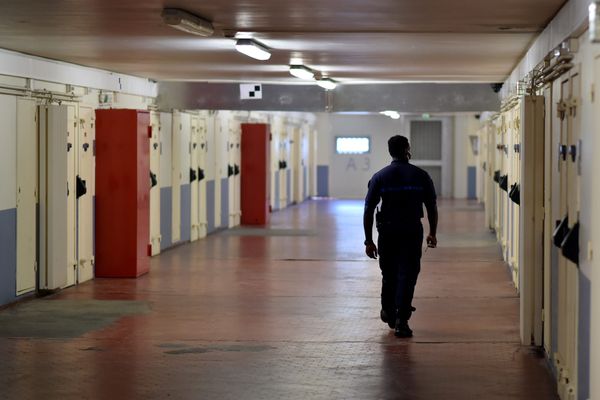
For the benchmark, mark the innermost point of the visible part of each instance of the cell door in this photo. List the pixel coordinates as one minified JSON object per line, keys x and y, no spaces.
{"x":202,"y":199}
{"x":194,"y":149}
{"x":568,"y":274}
{"x":176,"y":177}
{"x":297,"y":172}
{"x":27,"y":189}
{"x":72,"y":164}
{"x":238,"y":175}
{"x":220,"y":168}
{"x":57,"y":127}
{"x":231,"y":172}
{"x":155,"y":183}
{"x":283,"y":156}
{"x":84,"y":193}
{"x":550,"y":215}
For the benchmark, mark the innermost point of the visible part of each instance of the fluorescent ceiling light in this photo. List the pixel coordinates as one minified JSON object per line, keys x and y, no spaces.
{"x":327,"y":83}
{"x":302,"y":72}
{"x":184,"y":21}
{"x":253,"y":49}
{"x":391,"y":114}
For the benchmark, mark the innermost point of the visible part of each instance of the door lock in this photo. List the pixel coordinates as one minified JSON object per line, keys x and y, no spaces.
{"x":562,"y":151}
{"x":573,"y":152}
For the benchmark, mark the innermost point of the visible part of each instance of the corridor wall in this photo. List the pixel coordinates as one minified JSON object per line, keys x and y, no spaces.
{"x":571,"y":286}
{"x":20,"y":99}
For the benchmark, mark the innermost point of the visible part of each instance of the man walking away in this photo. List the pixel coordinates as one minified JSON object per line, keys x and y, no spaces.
{"x":403,"y":189}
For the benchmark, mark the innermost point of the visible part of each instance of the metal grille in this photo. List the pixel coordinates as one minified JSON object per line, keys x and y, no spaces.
{"x":426,"y":140}
{"x":436,"y":176}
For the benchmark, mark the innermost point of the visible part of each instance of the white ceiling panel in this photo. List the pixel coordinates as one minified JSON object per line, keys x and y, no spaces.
{"x":353,"y":41}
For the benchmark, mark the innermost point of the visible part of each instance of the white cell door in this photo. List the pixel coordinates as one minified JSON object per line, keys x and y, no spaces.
{"x":27,"y":146}
{"x":56,"y":170}
{"x":284,"y":157}
{"x":231,"y":141}
{"x":155,"y":151}
{"x":194,"y":148}
{"x":237,"y":176}
{"x":568,"y":275}
{"x":72,"y":161}
{"x":202,"y":149}
{"x":176,"y":177}
{"x":84,"y":193}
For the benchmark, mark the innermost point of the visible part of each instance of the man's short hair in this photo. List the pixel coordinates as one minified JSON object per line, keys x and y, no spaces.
{"x":397,"y":146}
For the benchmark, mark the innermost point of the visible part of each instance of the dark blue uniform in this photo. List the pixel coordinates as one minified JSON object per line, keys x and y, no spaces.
{"x":403,"y":190}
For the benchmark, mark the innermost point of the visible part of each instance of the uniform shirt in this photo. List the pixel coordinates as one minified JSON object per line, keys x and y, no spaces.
{"x":403,"y":189}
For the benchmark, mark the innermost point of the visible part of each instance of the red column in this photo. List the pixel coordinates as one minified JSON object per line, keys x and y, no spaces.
{"x":255,"y":171}
{"x":122,"y":193}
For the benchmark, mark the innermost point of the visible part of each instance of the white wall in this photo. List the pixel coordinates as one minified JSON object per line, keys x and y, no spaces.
{"x":8,"y":152}
{"x":349,"y":174}
{"x":464,"y":126}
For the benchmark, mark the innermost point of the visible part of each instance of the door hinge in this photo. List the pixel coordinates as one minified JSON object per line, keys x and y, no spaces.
{"x":35,"y":266}
{"x":593,"y":92}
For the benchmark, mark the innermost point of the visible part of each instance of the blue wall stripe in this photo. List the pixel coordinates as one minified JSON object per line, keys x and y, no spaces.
{"x":288,"y":186}
{"x":210,"y":206}
{"x":224,"y":203}
{"x":166,"y":201}
{"x":472,"y":182}
{"x":305,"y":184}
{"x":583,"y":340}
{"x":323,"y":180}
{"x":186,"y":212}
{"x":8,"y":260}
{"x":276,"y":199}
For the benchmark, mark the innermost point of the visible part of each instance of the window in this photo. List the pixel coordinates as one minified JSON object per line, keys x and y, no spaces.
{"x":352,"y":145}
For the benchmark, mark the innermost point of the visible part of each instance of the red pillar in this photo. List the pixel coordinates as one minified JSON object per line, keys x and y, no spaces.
{"x":122,"y":193}
{"x":255,"y":171}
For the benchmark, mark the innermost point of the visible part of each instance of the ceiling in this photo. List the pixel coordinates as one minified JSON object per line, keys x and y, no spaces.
{"x":353,"y":41}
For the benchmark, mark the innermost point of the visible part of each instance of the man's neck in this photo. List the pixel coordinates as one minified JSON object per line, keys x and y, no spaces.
{"x":400,"y":159}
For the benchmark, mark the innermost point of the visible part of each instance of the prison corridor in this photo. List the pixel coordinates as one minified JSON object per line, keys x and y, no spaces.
{"x":288,"y":311}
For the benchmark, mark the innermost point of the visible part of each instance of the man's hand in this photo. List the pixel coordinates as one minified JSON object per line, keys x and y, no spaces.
{"x":431,"y":241}
{"x":371,"y":250}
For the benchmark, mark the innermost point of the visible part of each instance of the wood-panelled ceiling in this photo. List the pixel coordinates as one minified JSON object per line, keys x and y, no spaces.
{"x":350,"y":40}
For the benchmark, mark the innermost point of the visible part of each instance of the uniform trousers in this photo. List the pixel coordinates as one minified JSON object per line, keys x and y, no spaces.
{"x":400,"y":263}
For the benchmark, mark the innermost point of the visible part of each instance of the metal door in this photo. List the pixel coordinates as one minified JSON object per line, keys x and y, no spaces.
{"x":27,"y":189}
{"x":193,"y":150}
{"x":568,"y":275}
{"x":72,"y":150}
{"x":231,"y":164}
{"x":284,"y":157}
{"x":84,"y":193}
{"x":176,"y":177}
{"x":155,"y":183}
{"x":202,"y":195}
{"x":57,"y":259}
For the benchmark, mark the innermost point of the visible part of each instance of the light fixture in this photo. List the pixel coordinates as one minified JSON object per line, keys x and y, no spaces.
{"x":302,"y":72}
{"x":252,"y":48}
{"x":391,"y":114}
{"x":327,"y":83}
{"x":187,"y":22}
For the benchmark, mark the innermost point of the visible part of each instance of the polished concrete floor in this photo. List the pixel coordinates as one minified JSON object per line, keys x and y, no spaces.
{"x":289,"y":312}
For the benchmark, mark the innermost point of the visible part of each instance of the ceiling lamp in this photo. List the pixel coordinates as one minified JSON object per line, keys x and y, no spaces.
{"x":252,"y":48}
{"x":391,"y":114}
{"x":327,"y":83}
{"x":302,"y":72}
{"x":184,"y":21}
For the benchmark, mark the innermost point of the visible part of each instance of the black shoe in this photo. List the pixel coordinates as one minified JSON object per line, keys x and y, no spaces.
{"x":402,"y":330}
{"x":385,"y":318}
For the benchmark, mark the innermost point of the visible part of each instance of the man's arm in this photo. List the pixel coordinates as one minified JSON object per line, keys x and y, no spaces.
{"x":370,"y":203}
{"x":370,"y":247}
{"x":432,"y":216}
